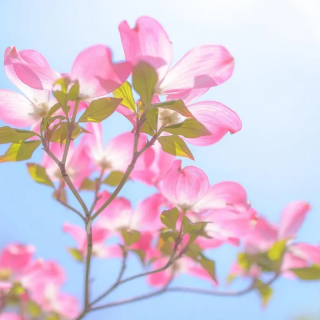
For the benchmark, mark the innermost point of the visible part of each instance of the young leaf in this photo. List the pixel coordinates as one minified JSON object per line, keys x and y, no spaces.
{"x":264,"y":291}
{"x":308,"y":273}
{"x":60,"y":195}
{"x":277,"y":251}
{"x":144,"y":80}
{"x":169,"y":235}
{"x":190,"y":227}
{"x":38,"y":174}
{"x":73,"y":92}
{"x":190,"y":128}
{"x":150,"y":126}
{"x":33,"y":309}
{"x":124,"y":92}
{"x":176,"y":146}
{"x":169,"y":218}
{"x":20,"y":151}
{"x":141,"y":254}
{"x":114,"y":178}
{"x":209,"y":266}
{"x":88,"y":184}
{"x":130,"y":236}
{"x":10,"y":135}
{"x":175,"y":105}
{"x":76,"y":254}
{"x":100,"y":110}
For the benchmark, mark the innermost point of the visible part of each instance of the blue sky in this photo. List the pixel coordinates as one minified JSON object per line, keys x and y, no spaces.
{"x":275,"y":90}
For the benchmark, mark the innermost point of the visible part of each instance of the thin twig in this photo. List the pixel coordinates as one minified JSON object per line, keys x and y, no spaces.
{"x":88,"y":263}
{"x":72,"y":209}
{"x":97,"y":190}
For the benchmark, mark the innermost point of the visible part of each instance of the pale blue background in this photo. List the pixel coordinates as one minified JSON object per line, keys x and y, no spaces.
{"x":275,"y":89}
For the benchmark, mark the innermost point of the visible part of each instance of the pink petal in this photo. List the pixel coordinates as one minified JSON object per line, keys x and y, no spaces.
{"x":217,"y":118}
{"x":118,"y":214}
{"x":292,"y":218}
{"x":307,"y":252}
{"x":32,"y":58}
{"x":66,"y":305}
{"x":223,"y":194}
{"x":15,"y":109}
{"x":202,"y":67}
{"x":188,"y":95}
{"x":110,"y":251}
{"x":96,"y":73}
{"x":147,"y":214}
{"x":159,"y":279}
{"x":119,"y":151}
{"x":78,"y":234}
{"x":261,"y":238}
{"x":16,"y":257}
{"x":147,"y":42}
{"x":185,"y":187}
{"x":5,"y":285}
{"x":144,"y":241}
{"x":291,"y":261}
{"x":10,"y":316}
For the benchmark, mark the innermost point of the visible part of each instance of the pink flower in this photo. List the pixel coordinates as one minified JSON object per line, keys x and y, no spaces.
{"x":226,"y":226}
{"x":78,"y":165}
{"x":5,"y":286}
{"x":65,"y":305}
{"x":93,"y":68}
{"x":189,"y":189}
{"x":200,"y":69}
{"x":16,"y":257}
{"x":118,"y":153}
{"x":99,"y":236}
{"x":119,"y":214}
{"x":153,"y":165}
{"x":23,"y":110}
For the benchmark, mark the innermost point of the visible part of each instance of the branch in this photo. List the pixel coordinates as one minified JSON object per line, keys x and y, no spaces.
{"x":88,"y":263}
{"x":72,"y":209}
{"x":96,"y":194}
{"x":136,"y":155}
{"x":186,"y":290}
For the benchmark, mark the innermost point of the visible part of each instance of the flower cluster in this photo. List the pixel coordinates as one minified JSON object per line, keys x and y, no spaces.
{"x":170,"y":231}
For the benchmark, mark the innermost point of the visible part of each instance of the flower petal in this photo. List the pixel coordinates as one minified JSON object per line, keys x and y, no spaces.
{"x":223,"y":194}
{"x":96,"y":72}
{"x":292,"y":218}
{"x":202,"y":67}
{"x":15,"y":109}
{"x":16,"y":256}
{"x":217,"y":118}
{"x":77,"y":233}
{"x":185,"y":187}
{"x":148,"y":42}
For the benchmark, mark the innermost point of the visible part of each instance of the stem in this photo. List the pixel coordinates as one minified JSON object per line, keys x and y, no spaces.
{"x":96,"y":194}
{"x":72,"y":209}
{"x":185,"y":290}
{"x":88,"y":263}
{"x":65,"y":177}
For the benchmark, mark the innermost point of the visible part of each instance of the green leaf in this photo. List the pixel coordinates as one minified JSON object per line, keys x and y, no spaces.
{"x":190,"y":128}
{"x":125,"y":93}
{"x":100,"y":110}
{"x":33,"y":309}
{"x":209,"y":266}
{"x":150,"y":126}
{"x":53,"y":316}
{"x":63,"y":100}
{"x":144,"y":80}
{"x":170,"y":217}
{"x":20,"y":151}
{"x":190,"y":227}
{"x":169,"y":235}
{"x":130,"y":236}
{"x":60,"y":133}
{"x":176,"y":146}
{"x":264,"y":290}
{"x":16,"y":290}
{"x":46,"y":120}
{"x":165,"y":246}
{"x":141,"y":254}
{"x":308,"y":273}
{"x":277,"y":251}
{"x":10,"y":135}
{"x":175,"y":105}
{"x":244,"y":262}
{"x":38,"y":174}
{"x":64,"y":84}
{"x":113,"y":179}
{"x":76,"y":254}
{"x":73,"y":93}
{"x":88,"y":184}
